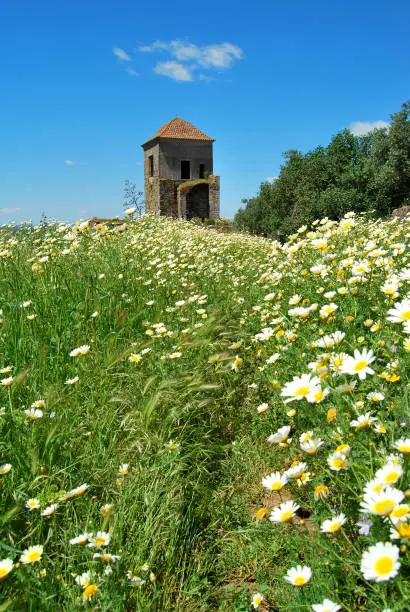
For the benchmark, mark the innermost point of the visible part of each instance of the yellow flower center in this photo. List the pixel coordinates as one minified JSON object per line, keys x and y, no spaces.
{"x":405,"y":315}
{"x":342,"y":448}
{"x":302,"y":391}
{"x":404,"y":448}
{"x":276,"y":486}
{"x":384,"y":507}
{"x":400,"y":511}
{"x":392,"y":477}
{"x":90,"y":591}
{"x":286,"y":516}
{"x":321,"y":490}
{"x":360,"y":365}
{"x":339,"y":463}
{"x":299,"y":581}
{"x":100,"y":541}
{"x":404,"y":530}
{"x":3,"y":572}
{"x":335,"y":527}
{"x":33,"y":556}
{"x":383,"y":566}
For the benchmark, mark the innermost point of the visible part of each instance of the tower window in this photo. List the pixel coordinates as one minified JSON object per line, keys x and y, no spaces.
{"x":201,"y":170}
{"x":185,"y":169}
{"x":151,"y":165}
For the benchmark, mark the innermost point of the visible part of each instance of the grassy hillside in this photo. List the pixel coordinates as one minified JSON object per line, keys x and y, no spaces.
{"x":188,"y":415}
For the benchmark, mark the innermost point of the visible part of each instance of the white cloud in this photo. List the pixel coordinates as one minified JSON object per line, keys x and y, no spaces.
{"x":219,"y":56}
{"x":132,"y":71}
{"x":184,"y":51}
{"x":121,"y":54}
{"x":271,"y":179}
{"x":69,"y":162}
{"x":155,"y":46}
{"x":212,"y":57}
{"x":361,"y":128}
{"x":9,"y":210}
{"x":174,"y":70}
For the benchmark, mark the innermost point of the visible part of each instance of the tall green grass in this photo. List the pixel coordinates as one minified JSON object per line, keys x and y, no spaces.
{"x":183,"y":414}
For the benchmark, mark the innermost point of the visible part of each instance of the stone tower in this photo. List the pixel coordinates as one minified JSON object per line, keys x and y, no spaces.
{"x":178,"y":172}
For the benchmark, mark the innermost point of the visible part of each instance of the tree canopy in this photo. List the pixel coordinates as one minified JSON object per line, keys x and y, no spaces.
{"x":361,"y":173}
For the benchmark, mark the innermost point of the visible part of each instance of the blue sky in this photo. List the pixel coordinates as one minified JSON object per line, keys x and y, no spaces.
{"x":87,"y":82}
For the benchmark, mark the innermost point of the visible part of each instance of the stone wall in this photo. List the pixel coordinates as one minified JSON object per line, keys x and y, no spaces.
{"x":167,"y":198}
{"x":173,"y":151}
{"x":186,"y":205}
{"x":214,"y":198}
{"x":151,"y":183}
{"x":181,"y":203}
{"x":401,"y":213}
{"x":162,"y":193}
{"x":152,"y":201}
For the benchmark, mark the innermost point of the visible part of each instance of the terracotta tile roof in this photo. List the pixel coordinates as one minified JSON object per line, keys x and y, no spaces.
{"x":181,"y":130}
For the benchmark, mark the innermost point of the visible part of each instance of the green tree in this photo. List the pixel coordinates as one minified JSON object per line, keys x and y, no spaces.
{"x":360,"y":173}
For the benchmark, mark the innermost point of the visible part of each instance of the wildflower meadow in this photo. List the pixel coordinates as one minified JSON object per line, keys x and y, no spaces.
{"x":194,"y":420}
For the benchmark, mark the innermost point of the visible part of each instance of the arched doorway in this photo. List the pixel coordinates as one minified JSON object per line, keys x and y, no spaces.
{"x":197,"y":202}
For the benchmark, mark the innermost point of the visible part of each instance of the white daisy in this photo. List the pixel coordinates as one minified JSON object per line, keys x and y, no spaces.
{"x":380,"y":562}
{"x":389,"y":474}
{"x":284,"y":513}
{"x":299,"y":575}
{"x":49,"y":510}
{"x":102,"y":538}
{"x":381,"y":503}
{"x":359,"y":364}
{"x":403,"y":445}
{"x":81,"y":539}
{"x":275,"y":481}
{"x":334,"y":524}
{"x":6,"y":565}
{"x":400,"y":313}
{"x":300,"y":387}
{"x":32,"y":554}
{"x":364,"y":420}
{"x":311,"y":446}
{"x":32,"y":504}
{"x":257,"y":600}
{"x":281,"y":435}
{"x":399,"y":513}
{"x":337,"y":461}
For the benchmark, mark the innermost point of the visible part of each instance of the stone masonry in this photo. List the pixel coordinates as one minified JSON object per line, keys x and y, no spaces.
{"x":178,"y":173}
